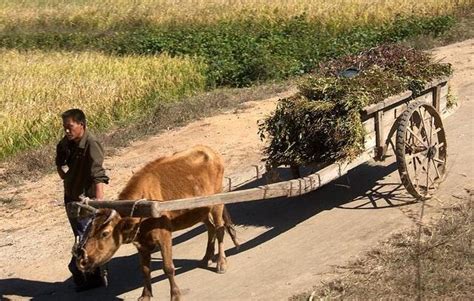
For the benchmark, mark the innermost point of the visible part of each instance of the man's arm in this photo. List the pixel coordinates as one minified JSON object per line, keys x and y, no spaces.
{"x":99,"y":191}
{"x":97,"y":170}
{"x":61,"y":157}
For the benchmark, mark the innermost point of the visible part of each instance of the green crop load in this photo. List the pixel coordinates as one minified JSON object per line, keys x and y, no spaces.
{"x":322,"y":123}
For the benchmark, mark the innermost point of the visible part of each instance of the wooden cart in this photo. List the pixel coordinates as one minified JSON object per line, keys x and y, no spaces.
{"x":411,"y":125}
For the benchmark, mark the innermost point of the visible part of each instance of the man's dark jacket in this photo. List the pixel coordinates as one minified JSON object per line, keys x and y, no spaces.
{"x":84,"y":161}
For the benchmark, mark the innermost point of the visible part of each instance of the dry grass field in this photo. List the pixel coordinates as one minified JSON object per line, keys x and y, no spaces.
{"x":125,"y":13}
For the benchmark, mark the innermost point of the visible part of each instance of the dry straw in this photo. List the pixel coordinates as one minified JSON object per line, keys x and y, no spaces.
{"x":106,"y":14}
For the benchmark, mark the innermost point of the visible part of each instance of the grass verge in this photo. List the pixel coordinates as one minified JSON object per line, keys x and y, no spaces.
{"x":462,"y":30}
{"x":435,"y":261}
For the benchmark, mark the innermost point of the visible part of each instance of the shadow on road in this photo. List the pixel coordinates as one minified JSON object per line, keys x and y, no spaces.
{"x":363,"y":188}
{"x":124,"y":276}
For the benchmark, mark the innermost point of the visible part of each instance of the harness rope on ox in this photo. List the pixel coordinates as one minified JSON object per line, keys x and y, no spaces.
{"x":139,"y":223}
{"x":81,"y":241}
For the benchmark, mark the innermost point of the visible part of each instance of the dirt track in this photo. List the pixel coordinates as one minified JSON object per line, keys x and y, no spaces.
{"x":288,"y":245}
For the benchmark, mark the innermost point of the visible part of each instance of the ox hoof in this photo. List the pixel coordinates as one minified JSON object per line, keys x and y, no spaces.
{"x":175,"y":295}
{"x":221,"y":268}
{"x":176,"y":298}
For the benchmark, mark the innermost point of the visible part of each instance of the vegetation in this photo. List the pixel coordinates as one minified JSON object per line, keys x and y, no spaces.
{"x":120,"y":60}
{"x":322,"y":123}
{"x":38,"y":86}
{"x":461,"y":31}
{"x":33,"y":163}
{"x":92,"y":15}
{"x":434,"y":261}
{"x":242,"y":42}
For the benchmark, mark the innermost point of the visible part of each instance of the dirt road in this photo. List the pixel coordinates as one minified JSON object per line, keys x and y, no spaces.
{"x":288,"y":245}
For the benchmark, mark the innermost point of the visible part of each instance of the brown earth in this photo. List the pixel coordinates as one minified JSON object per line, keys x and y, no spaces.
{"x":288,"y":245}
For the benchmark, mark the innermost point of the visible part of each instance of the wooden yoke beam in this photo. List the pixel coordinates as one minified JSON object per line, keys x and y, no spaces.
{"x":291,"y":188}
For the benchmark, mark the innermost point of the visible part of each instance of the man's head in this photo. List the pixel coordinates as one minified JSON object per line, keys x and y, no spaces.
{"x":74,"y":124}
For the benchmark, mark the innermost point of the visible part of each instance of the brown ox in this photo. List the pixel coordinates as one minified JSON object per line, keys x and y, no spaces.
{"x":196,"y":172}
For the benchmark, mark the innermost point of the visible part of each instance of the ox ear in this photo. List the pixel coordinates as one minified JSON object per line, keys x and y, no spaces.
{"x":110,"y":217}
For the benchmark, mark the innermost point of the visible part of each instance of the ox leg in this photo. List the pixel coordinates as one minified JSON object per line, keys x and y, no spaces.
{"x":168,"y":266}
{"x":145,"y":258}
{"x":211,"y":242}
{"x":219,"y":225}
{"x":221,"y":260}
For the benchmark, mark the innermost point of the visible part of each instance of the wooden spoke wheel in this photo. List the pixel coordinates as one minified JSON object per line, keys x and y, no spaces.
{"x":421,"y":149}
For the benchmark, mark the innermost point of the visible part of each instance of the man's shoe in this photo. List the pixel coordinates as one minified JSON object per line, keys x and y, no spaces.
{"x":92,"y":280}
{"x":89,"y":285}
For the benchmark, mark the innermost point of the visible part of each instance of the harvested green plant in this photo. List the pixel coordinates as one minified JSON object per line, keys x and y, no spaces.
{"x":322,"y":123}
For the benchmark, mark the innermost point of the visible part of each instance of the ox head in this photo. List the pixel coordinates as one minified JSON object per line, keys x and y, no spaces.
{"x":100,"y":241}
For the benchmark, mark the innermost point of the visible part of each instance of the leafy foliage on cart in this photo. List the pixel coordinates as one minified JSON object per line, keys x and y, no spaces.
{"x":322,"y":123}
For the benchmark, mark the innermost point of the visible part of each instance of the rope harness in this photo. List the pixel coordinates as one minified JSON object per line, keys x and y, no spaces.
{"x":79,"y":246}
{"x":80,"y":242}
{"x":132,"y":211}
{"x":78,"y":249}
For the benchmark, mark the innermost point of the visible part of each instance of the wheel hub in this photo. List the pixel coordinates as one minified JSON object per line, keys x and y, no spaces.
{"x":432,"y":151}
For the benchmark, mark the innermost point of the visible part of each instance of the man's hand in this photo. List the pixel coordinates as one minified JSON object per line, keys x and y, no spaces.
{"x":61,"y":172}
{"x":99,"y":191}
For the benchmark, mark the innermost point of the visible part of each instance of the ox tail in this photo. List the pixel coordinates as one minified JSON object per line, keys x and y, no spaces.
{"x":229,"y":226}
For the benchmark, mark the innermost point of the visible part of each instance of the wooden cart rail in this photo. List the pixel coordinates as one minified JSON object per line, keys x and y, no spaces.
{"x":291,"y":188}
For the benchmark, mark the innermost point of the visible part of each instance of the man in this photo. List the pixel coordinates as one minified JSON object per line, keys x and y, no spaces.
{"x":79,"y":159}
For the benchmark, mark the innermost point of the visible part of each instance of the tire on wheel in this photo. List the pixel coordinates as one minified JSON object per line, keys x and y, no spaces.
{"x":421,"y":149}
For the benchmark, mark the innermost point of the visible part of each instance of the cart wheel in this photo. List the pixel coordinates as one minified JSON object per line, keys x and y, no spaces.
{"x":421,"y":149}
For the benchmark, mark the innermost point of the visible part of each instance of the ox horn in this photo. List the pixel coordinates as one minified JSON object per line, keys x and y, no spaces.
{"x":112,"y":214}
